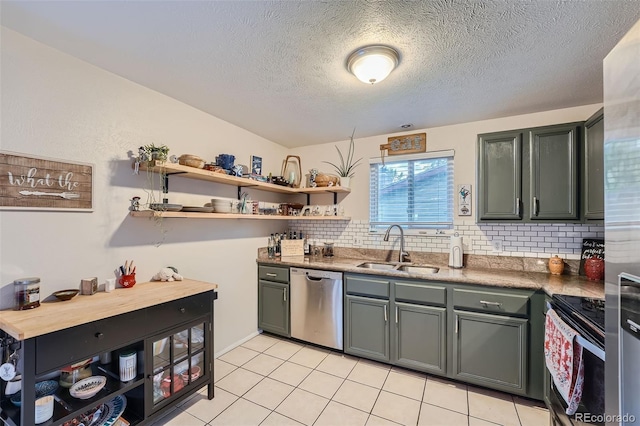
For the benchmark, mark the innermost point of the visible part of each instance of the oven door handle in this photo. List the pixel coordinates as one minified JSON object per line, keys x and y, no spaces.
{"x":585,"y":343}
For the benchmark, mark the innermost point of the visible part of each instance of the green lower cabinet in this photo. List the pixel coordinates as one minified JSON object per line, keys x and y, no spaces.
{"x":491,"y":350}
{"x":420,"y":337}
{"x":366,"y":332}
{"x":273,"y":307}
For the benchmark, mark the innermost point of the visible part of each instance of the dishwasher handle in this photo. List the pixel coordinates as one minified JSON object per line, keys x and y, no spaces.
{"x":312,"y":278}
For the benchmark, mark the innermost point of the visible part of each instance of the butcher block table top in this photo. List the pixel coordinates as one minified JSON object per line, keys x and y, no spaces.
{"x":58,"y":315}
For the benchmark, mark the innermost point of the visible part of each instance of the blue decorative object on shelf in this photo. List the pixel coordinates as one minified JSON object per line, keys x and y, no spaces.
{"x":47,"y":387}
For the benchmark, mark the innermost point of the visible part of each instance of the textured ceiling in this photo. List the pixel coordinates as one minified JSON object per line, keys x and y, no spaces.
{"x":277,"y":68}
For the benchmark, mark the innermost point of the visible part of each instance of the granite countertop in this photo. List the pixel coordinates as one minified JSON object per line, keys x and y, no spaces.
{"x":477,"y":271}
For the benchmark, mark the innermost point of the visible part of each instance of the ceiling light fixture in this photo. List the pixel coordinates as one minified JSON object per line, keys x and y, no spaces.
{"x":372,"y":64}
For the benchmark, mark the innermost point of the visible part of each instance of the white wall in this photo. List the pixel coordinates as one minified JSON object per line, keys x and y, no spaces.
{"x":57,"y":106}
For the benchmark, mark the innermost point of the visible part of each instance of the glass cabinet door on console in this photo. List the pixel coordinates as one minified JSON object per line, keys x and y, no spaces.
{"x":178,"y":360}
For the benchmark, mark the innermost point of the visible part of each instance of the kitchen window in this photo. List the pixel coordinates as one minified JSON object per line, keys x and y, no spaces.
{"x":413,"y":191}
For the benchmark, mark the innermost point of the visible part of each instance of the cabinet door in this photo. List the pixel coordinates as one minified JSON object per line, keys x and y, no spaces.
{"x":420,"y":337}
{"x":553,"y":172}
{"x":177,"y":360}
{"x":593,"y":161}
{"x":366,"y":327}
{"x":491,"y":350}
{"x":273,"y":307}
{"x":499,"y":176}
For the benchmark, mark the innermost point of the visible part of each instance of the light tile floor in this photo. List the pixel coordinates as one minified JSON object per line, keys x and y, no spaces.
{"x":271,"y":381}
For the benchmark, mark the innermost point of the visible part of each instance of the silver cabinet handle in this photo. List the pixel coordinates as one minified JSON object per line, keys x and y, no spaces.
{"x":396,"y":314}
{"x":536,"y":208}
{"x":284,"y":295}
{"x":484,"y":302}
{"x":271,"y":274}
{"x":456,"y":324}
{"x":386,"y":315}
{"x":518,"y":206}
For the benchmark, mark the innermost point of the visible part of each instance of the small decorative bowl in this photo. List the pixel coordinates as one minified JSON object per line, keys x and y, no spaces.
{"x":86,"y":388}
{"x":45,"y":388}
{"x":66,"y":294}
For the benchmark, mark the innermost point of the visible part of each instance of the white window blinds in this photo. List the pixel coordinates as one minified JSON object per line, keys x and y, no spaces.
{"x":414,"y":191}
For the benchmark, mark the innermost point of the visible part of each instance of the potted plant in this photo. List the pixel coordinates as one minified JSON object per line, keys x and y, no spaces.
{"x":346,"y":168}
{"x":152,"y":152}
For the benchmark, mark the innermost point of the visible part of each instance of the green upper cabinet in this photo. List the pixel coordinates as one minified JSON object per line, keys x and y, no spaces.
{"x":553,"y":180}
{"x":529,"y":174}
{"x":500,"y":176}
{"x":593,"y":170}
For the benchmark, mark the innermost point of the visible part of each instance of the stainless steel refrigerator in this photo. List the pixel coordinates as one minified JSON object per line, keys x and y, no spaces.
{"x":622,"y":226}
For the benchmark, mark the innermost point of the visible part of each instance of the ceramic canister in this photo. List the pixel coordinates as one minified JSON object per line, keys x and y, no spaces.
{"x":594,"y":268}
{"x":556,"y":265}
{"x":128,"y":366}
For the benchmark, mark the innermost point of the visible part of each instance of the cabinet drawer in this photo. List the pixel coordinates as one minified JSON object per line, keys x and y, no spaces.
{"x":176,"y":312}
{"x":273,"y":273}
{"x":368,"y":287}
{"x":491,"y":301}
{"x":421,"y":293}
{"x":75,"y":344}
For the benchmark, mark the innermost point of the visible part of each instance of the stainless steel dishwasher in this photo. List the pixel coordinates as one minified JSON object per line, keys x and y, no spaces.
{"x":316,"y":306}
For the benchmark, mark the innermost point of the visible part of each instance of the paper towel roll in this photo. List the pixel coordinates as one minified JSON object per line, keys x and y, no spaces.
{"x":455,"y":252}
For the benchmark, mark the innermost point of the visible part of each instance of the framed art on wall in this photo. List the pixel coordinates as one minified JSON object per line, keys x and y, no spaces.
{"x":29,"y":182}
{"x":464,"y":200}
{"x":256,"y":165}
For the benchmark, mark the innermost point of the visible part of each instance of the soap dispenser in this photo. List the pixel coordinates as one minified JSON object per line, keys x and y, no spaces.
{"x":455,"y":251}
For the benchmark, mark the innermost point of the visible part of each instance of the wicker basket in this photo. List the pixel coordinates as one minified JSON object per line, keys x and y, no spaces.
{"x":323,"y":180}
{"x":191,"y":161}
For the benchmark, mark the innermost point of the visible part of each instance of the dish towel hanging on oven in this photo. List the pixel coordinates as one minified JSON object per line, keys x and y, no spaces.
{"x":563,"y":356}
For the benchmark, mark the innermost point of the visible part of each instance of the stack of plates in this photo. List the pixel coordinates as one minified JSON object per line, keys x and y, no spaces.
{"x":205,"y":209}
{"x":163,"y":207}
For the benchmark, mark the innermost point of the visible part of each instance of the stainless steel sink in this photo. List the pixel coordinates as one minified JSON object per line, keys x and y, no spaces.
{"x":412,"y":269}
{"x":418,"y":269}
{"x":375,"y":265}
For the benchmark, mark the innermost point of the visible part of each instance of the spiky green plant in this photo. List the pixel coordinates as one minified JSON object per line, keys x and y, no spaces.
{"x":346,"y":168}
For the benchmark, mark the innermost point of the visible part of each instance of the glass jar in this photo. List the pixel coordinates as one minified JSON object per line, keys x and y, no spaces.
{"x":328,"y":250}
{"x":27,"y":293}
{"x":74,"y":373}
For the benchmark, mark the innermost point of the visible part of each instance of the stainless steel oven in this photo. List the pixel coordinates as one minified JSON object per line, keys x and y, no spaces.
{"x":586,"y":316}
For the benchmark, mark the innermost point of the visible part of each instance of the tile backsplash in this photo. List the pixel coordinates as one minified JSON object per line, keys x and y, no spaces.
{"x":519,"y":240}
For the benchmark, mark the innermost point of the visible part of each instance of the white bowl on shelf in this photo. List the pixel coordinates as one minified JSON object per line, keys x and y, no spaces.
{"x":222,"y":205}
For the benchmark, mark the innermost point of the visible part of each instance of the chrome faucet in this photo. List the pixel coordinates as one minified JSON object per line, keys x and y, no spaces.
{"x":403,"y":255}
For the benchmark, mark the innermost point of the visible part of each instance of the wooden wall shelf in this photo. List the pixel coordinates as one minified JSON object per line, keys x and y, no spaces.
{"x":192,"y":215}
{"x":201,"y":174}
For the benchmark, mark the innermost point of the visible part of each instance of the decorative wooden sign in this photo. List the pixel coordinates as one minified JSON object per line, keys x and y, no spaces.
{"x":591,"y":247}
{"x":35,"y":183}
{"x":407,"y":144}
